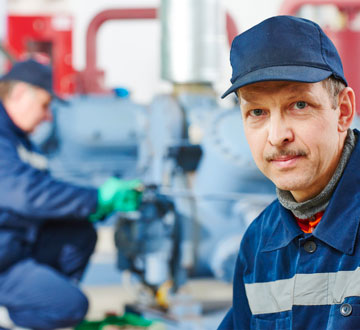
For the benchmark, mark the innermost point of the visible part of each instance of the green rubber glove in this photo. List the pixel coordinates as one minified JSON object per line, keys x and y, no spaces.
{"x":117,"y":195}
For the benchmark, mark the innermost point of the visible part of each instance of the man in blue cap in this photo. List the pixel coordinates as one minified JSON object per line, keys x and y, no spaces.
{"x":46,"y":225}
{"x":298,"y":264}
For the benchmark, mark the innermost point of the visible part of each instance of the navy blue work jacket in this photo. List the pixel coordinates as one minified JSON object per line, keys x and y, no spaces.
{"x":286,"y":279}
{"x":29,"y":195}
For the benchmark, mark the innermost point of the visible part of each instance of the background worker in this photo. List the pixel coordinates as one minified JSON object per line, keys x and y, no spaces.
{"x":46,"y":229}
{"x":298,"y":265}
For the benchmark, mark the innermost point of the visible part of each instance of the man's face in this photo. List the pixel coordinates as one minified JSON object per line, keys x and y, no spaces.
{"x":292,"y":130}
{"x":29,"y":106}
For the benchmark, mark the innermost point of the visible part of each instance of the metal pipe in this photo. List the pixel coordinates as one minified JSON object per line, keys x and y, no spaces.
{"x":290,"y":7}
{"x":192,"y":35}
{"x":223,"y":196}
{"x":231,"y":28}
{"x":91,"y":78}
{"x":111,"y":14}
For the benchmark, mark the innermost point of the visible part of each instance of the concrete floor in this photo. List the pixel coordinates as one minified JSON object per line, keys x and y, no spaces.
{"x":112,"y":298}
{"x":196,"y":294}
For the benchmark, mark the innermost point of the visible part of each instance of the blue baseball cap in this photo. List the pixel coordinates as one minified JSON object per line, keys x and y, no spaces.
{"x":34,"y":73}
{"x":283,"y":48}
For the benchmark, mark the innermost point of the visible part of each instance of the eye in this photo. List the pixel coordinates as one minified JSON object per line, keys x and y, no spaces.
{"x":256,"y":112}
{"x":300,"y":105}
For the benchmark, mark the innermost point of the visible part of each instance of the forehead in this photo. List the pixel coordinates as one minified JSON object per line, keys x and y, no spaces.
{"x":252,"y":91}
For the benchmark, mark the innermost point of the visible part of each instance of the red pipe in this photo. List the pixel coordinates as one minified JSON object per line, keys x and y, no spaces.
{"x":290,"y":7}
{"x":346,"y":40}
{"x":231,"y":28}
{"x":111,"y":14}
{"x":132,"y":13}
{"x":91,"y":79}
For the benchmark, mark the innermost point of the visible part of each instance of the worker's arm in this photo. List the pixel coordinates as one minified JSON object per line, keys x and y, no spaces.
{"x":34,"y":193}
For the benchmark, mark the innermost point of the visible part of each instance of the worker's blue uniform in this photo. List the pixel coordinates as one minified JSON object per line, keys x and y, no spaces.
{"x":45,"y":238}
{"x":286,"y":279}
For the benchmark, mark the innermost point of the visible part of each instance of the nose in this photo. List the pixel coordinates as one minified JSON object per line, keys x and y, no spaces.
{"x":280,"y":132}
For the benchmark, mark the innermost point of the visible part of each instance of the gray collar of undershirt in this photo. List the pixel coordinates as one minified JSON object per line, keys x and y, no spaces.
{"x":305,"y":210}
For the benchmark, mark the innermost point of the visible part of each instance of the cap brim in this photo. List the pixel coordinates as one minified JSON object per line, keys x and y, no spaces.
{"x":280,"y":73}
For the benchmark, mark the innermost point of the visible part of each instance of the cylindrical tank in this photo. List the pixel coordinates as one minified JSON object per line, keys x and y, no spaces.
{"x":192,"y":33}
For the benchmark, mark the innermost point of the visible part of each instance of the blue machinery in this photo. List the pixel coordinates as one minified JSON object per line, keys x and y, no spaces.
{"x":202,"y":186}
{"x":199,"y":197}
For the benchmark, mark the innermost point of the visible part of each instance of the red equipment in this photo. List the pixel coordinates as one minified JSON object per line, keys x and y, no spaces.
{"x":91,"y":80}
{"x":52,"y":36}
{"x":48,"y":35}
{"x":346,"y":40}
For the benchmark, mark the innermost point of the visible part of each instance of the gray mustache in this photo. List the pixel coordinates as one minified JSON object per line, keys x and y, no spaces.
{"x":282,"y":153}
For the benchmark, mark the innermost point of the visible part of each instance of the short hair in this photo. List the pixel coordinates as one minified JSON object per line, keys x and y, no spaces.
{"x":6,"y":87}
{"x":333,"y":86}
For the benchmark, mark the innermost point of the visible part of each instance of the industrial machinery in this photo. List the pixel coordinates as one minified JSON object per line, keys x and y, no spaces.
{"x":189,"y":138}
{"x":202,"y":188}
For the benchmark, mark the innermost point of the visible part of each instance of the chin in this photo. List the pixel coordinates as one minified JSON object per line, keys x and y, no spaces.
{"x":291,"y":186}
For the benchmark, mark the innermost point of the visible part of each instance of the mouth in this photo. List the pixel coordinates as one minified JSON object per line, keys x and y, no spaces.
{"x":286,"y":160}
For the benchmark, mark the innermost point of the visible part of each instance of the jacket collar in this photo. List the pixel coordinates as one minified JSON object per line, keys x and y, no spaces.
{"x":343,"y":212}
{"x":342,"y":215}
{"x":284,"y":232}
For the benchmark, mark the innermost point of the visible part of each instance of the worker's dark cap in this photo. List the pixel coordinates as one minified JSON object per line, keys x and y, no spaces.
{"x":283,"y":48}
{"x":34,"y":73}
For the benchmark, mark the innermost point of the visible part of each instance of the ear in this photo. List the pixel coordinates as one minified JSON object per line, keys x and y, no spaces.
{"x":346,"y":104}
